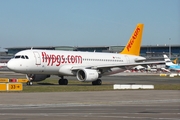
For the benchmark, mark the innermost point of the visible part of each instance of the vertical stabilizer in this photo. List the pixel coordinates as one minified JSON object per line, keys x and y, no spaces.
{"x":175,"y":61}
{"x":134,"y":44}
{"x":167,"y":60}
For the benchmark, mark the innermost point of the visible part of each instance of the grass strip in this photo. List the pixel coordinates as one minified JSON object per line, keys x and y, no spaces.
{"x":51,"y":85}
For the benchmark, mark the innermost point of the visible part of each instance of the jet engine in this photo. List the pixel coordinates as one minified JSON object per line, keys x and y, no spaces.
{"x":87,"y":75}
{"x":36,"y":77}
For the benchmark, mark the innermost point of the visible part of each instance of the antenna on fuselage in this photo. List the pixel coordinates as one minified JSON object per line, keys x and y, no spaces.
{"x":31,"y":48}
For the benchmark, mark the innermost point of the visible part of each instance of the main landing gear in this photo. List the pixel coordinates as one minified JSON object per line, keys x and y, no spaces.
{"x":97,"y":82}
{"x":63,"y":81}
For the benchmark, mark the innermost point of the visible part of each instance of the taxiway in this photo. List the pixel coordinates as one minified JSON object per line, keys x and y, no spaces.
{"x":106,"y":105}
{"x":95,"y":105}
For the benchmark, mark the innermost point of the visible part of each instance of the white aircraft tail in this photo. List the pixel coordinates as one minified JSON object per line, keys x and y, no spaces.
{"x":167,"y":60}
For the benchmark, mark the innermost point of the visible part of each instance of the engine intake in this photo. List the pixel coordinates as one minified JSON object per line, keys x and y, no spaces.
{"x":87,"y":75}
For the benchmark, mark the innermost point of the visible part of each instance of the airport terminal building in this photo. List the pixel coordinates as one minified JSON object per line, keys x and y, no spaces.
{"x":148,"y":51}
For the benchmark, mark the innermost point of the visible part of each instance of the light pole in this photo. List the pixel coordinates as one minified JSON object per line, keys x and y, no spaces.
{"x":169,"y":48}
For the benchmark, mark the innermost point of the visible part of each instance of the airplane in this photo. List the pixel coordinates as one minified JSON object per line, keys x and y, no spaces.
{"x":165,"y":70}
{"x":138,"y":68}
{"x":2,"y":65}
{"x":150,"y":69}
{"x":143,"y":68}
{"x":175,"y":61}
{"x":86,"y":66}
{"x":170,"y":65}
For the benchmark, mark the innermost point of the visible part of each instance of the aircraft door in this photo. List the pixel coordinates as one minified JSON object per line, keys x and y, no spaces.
{"x":37,"y":58}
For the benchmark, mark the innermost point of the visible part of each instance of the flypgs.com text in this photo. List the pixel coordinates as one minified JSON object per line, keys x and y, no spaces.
{"x":57,"y":60}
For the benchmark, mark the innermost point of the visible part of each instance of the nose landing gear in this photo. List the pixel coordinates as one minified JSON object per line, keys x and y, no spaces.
{"x":29,"y":83}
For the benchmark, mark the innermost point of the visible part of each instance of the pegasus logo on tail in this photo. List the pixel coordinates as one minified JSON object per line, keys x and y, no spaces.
{"x":134,"y":44}
{"x":131,"y":42}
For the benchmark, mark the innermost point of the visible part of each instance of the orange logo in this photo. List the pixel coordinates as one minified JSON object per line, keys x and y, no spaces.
{"x":131,"y":42}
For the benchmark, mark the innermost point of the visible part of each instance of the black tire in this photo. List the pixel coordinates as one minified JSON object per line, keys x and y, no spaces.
{"x":97,"y":82}
{"x":94,"y":83}
{"x":29,"y":83}
{"x":63,"y":81}
{"x":60,"y":81}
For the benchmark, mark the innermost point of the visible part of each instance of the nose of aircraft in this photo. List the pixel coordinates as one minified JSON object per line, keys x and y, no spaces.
{"x":11,"y":65}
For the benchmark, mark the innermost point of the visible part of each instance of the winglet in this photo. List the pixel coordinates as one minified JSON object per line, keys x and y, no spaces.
{"x":134,"y":44}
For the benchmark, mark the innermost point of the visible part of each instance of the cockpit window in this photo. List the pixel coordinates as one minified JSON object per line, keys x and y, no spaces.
{"x":26,"y":57}
{"x":18,"y":56}
{"x":21,"y":56}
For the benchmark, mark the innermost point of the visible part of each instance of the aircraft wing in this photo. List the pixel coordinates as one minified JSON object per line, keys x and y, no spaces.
{"x":130,"y":64}
{"x":117,"y":65}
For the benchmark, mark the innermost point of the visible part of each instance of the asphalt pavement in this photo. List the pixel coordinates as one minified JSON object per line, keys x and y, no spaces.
{"x":95,"y":105}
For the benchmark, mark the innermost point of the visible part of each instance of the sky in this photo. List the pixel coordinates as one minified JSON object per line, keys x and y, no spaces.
{"x":34,"y":23}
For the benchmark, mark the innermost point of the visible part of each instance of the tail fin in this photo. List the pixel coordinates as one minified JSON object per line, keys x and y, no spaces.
{"x":148,"y":67}
{"x":167,"y":60}
{"x":175,"y":61}
{"x":134,"y":44}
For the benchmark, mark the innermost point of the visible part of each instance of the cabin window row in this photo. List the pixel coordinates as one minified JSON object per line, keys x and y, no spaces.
{"x":108,"y":60}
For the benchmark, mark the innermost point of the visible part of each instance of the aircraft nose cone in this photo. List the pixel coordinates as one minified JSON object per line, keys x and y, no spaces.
{"x":10,"y":65}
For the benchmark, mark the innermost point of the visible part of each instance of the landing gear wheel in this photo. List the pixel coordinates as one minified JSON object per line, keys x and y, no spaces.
{"x":29,"y":83}
{"x":97,"y":82}
{"x":60,"y":81}
{"x":63,"y":81}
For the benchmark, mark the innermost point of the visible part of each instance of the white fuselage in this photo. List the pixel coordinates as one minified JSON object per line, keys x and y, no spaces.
{"x":63,"y":62}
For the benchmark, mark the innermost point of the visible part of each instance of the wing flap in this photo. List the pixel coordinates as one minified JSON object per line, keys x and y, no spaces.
{"x":130,"y":64}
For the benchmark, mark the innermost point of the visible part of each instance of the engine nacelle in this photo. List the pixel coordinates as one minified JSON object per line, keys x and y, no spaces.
{"x":87,"y":75}
{"x":36,"y":77}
